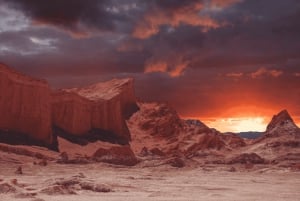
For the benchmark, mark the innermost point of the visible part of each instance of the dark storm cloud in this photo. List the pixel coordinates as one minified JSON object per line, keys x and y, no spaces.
{"x":251,"y":36}
{"x":257,"y":33}
{"x":201,"y":56}
{"x":80,"y":17}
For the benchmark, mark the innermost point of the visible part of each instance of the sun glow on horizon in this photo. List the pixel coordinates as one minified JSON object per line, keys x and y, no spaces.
{"x":237,"y":124}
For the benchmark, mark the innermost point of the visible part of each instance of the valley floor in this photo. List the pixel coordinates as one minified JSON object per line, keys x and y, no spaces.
{"x":61,"y":182}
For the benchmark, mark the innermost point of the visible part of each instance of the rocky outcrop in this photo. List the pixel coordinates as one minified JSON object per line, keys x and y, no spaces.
{"x":176,"y":162}
{"x":121,"y":90}
{"x":26,"y":151}
{"x":99,"y":109}
{"x":232,"y":140}
{"x":207,"y":141}
{"x":159,"y":119}
{"x":25,"y":108}
{"x":281,"y":137}
{"x":247,"y":158}
{"x":280,"y":119}
{"x":195,"y":144}
{"x":29,"y":111}
{"x":121,"y":155}
{"x":70,"y":186}
{"x":282,"y":124}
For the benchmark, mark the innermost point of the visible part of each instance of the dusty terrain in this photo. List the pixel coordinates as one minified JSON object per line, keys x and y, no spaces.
{"x":162,"y":183}
{"x":51,"y":181}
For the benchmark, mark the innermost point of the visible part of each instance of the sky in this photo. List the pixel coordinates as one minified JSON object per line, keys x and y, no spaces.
{"x":217,"y":60}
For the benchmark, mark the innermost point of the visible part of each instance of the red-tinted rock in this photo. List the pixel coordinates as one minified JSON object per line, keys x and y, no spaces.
{"x":144,"y":152}
{"x":101,"y":106}
{"x":71,"y":112}
{"x":280,"y":119}
{"x":157,"y":151}
{"x":233,"y":140}
{"x":24,"y":106}
{"x":247,"y":158}
{"x":118,"y":155}
{"x":160,"y":120}
{"x":207,"y":141}
{"x":177,"y":162}
{"x":7,"y":188}
{"x":281,"y":124}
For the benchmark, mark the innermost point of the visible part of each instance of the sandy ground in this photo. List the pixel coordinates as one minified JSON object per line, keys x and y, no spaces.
{"x":154,"y":184}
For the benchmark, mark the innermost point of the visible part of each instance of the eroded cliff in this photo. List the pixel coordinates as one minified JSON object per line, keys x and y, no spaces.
{"x":25,"y":108}
{"x":98,"y":110}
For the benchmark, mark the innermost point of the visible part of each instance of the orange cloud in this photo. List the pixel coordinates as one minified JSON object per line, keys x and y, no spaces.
{"x":156,"y":67}
{"x":263,"y":71}
{"x":150,"y":24}
{"x":174,"y":70}
{"x":297,"y":74}
{"x":275,"y":73}
{"x":223,"y":3}
{"x":236,"y":75}
{"x":178,"y":70}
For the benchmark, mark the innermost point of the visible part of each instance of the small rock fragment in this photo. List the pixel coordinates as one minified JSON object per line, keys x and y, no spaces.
{"x":19,"y":170}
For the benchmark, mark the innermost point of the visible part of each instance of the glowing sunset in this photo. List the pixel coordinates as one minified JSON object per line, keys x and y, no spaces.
{"x":202,"y":57}
{"x":131,"y":99}
{"x":239,"y":124}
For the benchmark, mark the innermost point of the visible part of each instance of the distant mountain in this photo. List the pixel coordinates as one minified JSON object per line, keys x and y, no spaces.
{"x":250,"y":134}
{"x":247,"y":135}
{"x":282,"y":124}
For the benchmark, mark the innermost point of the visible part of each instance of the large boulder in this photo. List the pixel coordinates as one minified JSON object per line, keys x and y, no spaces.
{"x":99,"y":109}
{"x":118,"y":155}
{"x":25,"y":108}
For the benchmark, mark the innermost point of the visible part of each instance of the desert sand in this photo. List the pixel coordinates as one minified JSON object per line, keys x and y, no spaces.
{"x":61,"y":182}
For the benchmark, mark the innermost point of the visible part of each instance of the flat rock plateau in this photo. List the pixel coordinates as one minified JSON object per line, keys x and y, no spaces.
{"x":99,"y":143}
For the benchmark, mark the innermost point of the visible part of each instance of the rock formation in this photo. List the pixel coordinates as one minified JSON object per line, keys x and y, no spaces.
{"x":29,"y":110}
{"x":282,"y":124}
{"x":100,"y":109}
{"x":118,"y":155}
{"x":156,"y":126}
{"x":25,"y":108}
{"x":247,"y":158}
{"x":159,"y":120}
{"x":280,"y":143}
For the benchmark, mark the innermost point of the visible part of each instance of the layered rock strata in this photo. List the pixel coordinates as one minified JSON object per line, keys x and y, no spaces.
{"x":96,"y":111}
{"x":25,"y":108}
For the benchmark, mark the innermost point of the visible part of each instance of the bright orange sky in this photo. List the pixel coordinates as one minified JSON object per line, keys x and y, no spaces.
{"x":234,"y":120}
{"x":239,"y":124}
{"x":217,"y":59}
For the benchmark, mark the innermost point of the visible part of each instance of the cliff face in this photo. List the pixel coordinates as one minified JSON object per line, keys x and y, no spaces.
{"x":99,"y":108}
{"x":24,"y":106}
{"x":71,"y":112}
{"x":120,"y":90}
